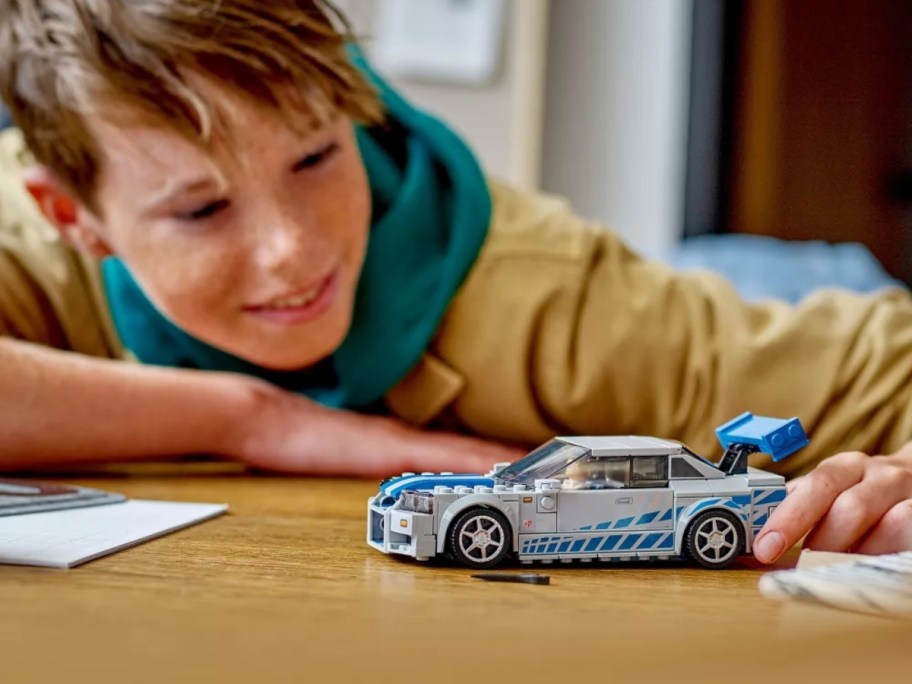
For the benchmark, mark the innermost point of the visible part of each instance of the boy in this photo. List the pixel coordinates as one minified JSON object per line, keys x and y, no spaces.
{"x":312,"y":275}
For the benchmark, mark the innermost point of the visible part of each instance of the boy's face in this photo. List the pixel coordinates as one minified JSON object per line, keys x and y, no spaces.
{"x":257,"y":249}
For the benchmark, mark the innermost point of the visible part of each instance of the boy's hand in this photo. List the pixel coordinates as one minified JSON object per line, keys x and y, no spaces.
{"x":289,"y":433}
{"x":850,"y":502}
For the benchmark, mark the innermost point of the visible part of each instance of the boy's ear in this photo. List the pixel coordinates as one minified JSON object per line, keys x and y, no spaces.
{"x":76,"y":224}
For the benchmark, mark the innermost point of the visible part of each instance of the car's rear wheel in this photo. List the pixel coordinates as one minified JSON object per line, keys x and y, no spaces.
{"x":715,"y":539}
{"x":479,"y":538}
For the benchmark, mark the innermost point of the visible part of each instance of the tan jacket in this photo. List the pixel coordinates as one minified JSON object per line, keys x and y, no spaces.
{"x":560,"y":328}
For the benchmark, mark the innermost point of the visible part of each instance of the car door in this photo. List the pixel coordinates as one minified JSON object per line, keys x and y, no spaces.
{"x":624,"y":503}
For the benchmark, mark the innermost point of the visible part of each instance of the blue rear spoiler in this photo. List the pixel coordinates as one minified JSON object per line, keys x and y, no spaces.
{"x":748,"y":434}
{"x":774,"y":436}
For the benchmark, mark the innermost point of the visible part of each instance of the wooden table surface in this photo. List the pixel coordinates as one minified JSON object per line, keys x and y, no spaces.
{"x":284,"y":588}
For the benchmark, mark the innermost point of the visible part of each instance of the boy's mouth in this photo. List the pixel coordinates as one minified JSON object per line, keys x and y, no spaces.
{"x":300,"y":306}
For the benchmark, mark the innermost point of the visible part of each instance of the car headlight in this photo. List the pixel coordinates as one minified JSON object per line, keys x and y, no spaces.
{"x":419,"y":502}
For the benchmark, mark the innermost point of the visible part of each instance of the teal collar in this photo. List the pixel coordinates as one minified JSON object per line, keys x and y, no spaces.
{"x":431,"y":209}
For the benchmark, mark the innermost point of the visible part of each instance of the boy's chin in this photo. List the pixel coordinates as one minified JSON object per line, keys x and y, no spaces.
{"x":292,"y":359}
{"x":296,"y":356}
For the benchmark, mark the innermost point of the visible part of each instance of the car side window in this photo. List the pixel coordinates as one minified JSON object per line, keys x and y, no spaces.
{"x":611,"y":472}
{"x":681,"y":468}
{"x":649,"y":471}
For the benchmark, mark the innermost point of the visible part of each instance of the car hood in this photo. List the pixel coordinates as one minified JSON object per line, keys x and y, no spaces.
{"x":396,"y":485}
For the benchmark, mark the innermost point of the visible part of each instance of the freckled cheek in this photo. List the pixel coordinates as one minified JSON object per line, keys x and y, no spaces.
{"x":353,"y":214}
{"x":191,"y":284}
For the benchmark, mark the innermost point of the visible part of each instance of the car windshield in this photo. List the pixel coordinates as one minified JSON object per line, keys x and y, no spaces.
{"x":546,"y":461}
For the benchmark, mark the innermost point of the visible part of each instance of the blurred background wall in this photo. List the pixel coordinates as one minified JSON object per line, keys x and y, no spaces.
{"x":673,"y":118}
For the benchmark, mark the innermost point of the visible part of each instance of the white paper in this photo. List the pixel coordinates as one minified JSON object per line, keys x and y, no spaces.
{"x":870,"y":584}
{"x":63,"y":539}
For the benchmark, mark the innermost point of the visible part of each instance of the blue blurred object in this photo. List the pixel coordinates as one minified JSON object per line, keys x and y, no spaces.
{"x":774,"y":436}
{"x":5,"y":120}
{"x":762,"y":267}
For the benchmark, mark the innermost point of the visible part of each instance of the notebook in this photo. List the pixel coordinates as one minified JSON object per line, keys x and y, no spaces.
{"x":66,"y":538}
{"x":28,"y":496}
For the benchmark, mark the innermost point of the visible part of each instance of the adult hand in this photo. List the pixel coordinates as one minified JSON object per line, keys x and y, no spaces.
{"x":850,"y":502}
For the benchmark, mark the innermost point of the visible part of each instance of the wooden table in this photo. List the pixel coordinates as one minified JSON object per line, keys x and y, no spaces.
{"x":284,"y":588}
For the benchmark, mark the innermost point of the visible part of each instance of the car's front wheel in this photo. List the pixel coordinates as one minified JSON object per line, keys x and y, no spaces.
{"x":714,"y":539}
{"x":479,"y":538}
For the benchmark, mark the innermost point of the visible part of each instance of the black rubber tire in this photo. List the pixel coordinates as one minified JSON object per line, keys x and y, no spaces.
{"x":731,"y":524}
{"x":492,"y":521}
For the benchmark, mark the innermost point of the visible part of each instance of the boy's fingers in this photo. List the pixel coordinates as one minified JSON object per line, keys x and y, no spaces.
{"x":857,"y":510}
{"x":423,"y":451}
{"x":892,"y":534}
{"x":807,"y":504}
{"x":467,"y":454}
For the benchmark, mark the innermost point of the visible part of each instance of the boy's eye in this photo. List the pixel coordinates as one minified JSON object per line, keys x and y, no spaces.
{"x":315,"y":159}
{"x":203,"y":212}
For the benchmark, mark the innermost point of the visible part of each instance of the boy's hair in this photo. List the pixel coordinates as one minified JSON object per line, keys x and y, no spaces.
{"x":64,"y":62}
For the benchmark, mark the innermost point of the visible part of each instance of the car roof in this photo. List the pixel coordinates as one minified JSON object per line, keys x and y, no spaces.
{"x":626,"y":445}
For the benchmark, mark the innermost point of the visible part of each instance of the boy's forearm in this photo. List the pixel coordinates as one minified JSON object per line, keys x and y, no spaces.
{"x":58,"y":407}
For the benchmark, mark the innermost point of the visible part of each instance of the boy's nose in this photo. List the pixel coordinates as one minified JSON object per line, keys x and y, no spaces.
{"x":284,"y":243}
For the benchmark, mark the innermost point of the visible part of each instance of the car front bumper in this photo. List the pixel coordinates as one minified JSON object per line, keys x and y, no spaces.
{"x":407,"y":533}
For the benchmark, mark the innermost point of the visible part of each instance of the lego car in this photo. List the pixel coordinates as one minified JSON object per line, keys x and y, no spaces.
{"x":592,"y":498}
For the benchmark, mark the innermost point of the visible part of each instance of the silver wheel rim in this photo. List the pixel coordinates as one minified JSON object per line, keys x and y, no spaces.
{"x":716,"y":539}
{"x":481,"y":538}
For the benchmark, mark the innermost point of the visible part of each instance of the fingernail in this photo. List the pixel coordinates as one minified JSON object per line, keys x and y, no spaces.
{"x":769,"y":547}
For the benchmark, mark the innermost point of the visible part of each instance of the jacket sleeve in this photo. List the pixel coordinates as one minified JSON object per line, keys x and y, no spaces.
{"x":560,"y":328}
{"x":49,"y":294}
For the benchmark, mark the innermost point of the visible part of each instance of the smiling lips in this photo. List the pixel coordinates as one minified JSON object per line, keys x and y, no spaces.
{"x":299,"y":307}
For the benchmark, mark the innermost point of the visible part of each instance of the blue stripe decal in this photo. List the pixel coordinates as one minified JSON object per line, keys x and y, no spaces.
{"x":742,"y":499}
{"x":704,"y":504}
{"x":603,"y":525}
{"x":646,"y":542}
{"x":775,"y":496}
{"x":740,"y":510}
{"x":427,"y":482}
{"x":650,"y":541}
{"x":647,"y":518}
{"x":666,"y":516}
{"x":586,"y":527}
{"x":629,"y":542}
{"x":610,"y":542}
{"x":761,"y":520}
{"x":625,"y":522}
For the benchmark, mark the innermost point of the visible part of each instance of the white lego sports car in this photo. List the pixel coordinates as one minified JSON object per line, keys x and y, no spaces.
{"x":592,"y":498}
